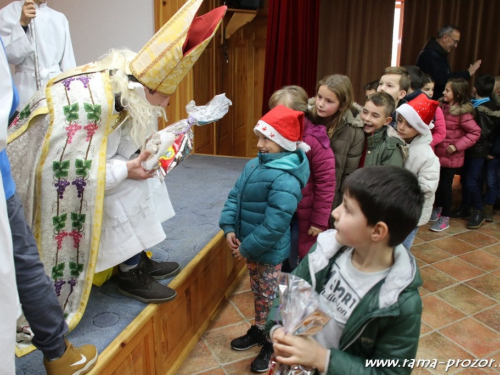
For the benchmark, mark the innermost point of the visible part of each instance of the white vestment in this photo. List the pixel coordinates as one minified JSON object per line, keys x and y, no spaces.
{"x":133,"y":209}
{"x":8,"y":291}
{"x":54,"y":48}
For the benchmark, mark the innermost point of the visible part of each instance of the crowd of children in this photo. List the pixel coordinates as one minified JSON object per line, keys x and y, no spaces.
{"x":382,"y":170}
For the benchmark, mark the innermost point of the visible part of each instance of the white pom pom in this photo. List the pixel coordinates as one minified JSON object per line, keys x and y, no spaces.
{"x":303,"y":146}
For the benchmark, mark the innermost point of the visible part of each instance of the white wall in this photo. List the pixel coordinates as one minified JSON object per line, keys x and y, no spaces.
{"x":96,"y":26}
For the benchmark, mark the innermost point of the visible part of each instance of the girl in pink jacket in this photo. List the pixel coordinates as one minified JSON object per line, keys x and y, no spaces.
{"x":462,"y":132}
{"x":313,"y":211}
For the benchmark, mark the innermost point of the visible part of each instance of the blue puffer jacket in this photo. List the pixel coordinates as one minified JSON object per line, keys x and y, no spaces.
{"x":261,"y":204}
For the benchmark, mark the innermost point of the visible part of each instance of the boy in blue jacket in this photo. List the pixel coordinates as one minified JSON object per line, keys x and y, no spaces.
{"x":368,"y":281}
{"x":257,"y":214}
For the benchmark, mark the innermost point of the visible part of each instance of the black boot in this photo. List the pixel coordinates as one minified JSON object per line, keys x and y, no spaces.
{"x":261,"y":363}
{"x":488,"y":212}
{"x":159,"y":270}
{"x":476,"y":219}
{"x":138,"y":284}
{"x":254,"y":336}
{"x":460,"y":213}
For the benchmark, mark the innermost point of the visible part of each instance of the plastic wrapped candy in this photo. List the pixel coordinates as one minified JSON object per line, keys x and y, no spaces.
{"x":300,"y":315}
{"x":171,"y":145}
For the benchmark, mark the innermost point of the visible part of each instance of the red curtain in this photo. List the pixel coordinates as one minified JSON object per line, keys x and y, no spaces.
{"x":291,"y":46}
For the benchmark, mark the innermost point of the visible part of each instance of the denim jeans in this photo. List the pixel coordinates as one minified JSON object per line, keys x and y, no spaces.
{"x":492,"y":186}
{"x":471,"y":189}
{"x":36,"y":291}
{"x":410,"y":238}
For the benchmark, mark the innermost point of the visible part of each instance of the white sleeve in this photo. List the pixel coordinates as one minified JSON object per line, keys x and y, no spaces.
{"x":116,"y":173}
{"x":68,"y":57}
{"x":16,"y":42}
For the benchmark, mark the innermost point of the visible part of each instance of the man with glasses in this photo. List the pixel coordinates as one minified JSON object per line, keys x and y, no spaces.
{"x":433,"y":59}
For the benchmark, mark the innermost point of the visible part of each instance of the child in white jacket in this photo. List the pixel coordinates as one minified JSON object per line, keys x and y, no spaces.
{"x":414,"y":124}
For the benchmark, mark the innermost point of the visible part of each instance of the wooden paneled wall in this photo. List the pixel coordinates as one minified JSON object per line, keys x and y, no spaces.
{"x":233,"y":66}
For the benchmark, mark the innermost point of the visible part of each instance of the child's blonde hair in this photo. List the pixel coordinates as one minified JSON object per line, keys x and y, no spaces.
{"x":341,"y":86}
{"x":293,"y":97}
{"x":404,"y":76}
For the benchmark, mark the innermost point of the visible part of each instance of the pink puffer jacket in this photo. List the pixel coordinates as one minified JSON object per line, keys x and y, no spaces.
{"x":461,"y":131}
{"x":317,"y":196}
{"x":439,"y":130}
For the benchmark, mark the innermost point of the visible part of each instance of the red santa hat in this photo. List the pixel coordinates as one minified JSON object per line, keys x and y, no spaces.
{"x":419,"y":113}
{"x":283,"y":126}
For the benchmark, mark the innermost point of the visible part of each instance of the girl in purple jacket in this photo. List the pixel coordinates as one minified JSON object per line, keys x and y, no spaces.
{"x":314,"y":209}
{"x":462,"y":132}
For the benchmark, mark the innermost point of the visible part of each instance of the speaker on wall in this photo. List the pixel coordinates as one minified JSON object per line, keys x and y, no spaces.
{"x":242,"y":4}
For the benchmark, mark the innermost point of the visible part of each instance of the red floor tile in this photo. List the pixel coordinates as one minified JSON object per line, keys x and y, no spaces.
{"x":435,"y":280}
{"x":438,"y":314}
{"x":458,"y":268}
{"x":482,"y":259}
{"x":490,"y":317}
{"x":453,"y":245}
{"x":219,"y":341}
{"x":429,"y":253}
{"x":477,"y":239}
{"x":487,"y":284}
{"x":437,"y":346}
{"x":226,"y":315}
{"x":199,"y":359}
{"x":473,"y":336}
{"x":239,"y":368}
{"x":466,"y":299}
{"x":244,"y":302}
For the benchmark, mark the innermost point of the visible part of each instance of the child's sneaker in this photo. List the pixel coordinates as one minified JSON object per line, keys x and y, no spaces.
{"x":254,"y":336}
{"x":261,"y":363}
{"x":441,"y":224}
{"x":436,"y":214}
{"x":75,"y":361}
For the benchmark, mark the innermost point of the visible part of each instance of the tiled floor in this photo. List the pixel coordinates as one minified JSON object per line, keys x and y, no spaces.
{"x":461,"y":297}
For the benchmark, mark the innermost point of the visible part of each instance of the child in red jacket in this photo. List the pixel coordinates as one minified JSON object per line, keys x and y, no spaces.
{"x":314,"y":209}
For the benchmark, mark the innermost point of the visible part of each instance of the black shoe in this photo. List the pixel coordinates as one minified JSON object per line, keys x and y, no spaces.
{"x":261,"y":363}
{"x":159,"y":270}
{"x":476,"y":219}
{"x":460,"y":213}
{"x":254,"y":336}
{"x":138,"y":284}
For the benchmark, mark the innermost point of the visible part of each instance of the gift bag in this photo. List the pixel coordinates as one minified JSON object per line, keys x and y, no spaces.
{"x":300,"y":315}
{"x":170,"y":146}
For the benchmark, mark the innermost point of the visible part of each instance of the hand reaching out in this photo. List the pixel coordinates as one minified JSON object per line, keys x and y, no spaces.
{"x":135,"y":169}
{"x":28,"y":12}
{"x":474,"y":67}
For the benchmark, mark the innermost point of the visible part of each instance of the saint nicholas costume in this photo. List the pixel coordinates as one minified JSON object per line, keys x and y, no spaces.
{"x":69,"y":149}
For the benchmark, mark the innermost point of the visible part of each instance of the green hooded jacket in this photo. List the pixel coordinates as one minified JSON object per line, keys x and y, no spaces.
{"x":384,"y":325}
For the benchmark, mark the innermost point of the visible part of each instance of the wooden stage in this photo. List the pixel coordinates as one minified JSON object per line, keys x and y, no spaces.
{"x":161,"y":337}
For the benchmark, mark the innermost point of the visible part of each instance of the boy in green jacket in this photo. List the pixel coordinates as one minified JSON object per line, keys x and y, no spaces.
{"x":383,"y":145}
{"x":366,"y":278}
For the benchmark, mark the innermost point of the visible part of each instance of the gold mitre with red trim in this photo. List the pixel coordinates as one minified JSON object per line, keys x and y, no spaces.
{"x":164,"y":61}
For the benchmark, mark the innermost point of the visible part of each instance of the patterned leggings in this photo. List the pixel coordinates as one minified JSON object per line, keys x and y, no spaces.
{"x":264,"y":282}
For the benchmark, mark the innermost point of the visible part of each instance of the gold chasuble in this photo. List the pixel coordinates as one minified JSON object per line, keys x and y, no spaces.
{"x":59,"y":165}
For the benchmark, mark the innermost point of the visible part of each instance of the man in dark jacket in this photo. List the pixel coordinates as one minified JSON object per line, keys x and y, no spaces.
{"x":433,"y":59}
